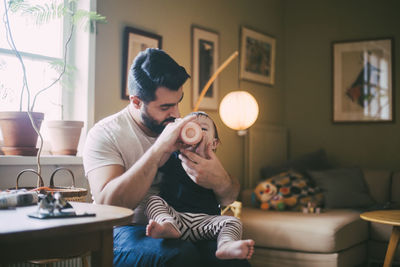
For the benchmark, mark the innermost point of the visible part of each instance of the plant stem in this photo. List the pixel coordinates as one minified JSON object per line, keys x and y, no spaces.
{"x":39,"y":166}
{"x":11,"y":42}
{"x":63,"y":70}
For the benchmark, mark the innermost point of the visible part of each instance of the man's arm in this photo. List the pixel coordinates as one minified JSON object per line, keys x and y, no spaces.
{"x":114,"y":185}
{"x":209,"y":173}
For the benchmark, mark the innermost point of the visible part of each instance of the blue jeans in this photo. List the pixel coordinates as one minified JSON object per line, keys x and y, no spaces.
{"x":133,"y":248}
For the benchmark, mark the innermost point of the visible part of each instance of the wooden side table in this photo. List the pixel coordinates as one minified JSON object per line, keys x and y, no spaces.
{"x":23,"y":238}
{"x":390,"y":217}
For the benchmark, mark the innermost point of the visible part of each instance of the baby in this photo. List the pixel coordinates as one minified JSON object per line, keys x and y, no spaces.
{"x":188,"y":211}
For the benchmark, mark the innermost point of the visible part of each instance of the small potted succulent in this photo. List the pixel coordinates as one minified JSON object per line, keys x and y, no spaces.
{"x":21,"y":129}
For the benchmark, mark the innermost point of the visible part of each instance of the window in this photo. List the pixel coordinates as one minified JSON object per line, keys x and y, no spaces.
{"x":41,"y":46}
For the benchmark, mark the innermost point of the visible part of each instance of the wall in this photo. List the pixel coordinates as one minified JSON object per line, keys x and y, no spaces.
{"x":310,"y":28}
{"x":172,"y":20}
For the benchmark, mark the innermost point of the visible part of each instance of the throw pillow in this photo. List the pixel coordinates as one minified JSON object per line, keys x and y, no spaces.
{"x":312,"y":161}
{"x":343,"y":188}
{"x":288,"y":190}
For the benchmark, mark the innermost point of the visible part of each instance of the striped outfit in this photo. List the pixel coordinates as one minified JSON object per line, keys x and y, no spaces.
{"x":193,"y":210}
{"x":195,"y":226}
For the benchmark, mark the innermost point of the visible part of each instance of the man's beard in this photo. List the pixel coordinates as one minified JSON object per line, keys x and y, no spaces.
{"x":152,"y":124}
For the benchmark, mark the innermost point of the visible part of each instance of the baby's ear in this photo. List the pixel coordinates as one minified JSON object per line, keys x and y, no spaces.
{"x":215,"y":143}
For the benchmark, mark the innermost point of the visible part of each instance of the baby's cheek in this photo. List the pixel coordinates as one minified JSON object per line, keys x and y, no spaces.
{"x":201,"y":149}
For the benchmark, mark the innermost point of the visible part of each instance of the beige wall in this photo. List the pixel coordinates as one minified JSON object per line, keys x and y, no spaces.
{"x":172,"y":19}
{"x":310,"y":28}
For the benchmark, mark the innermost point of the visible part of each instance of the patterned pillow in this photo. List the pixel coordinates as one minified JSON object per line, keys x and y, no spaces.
{"x":295,"y":190}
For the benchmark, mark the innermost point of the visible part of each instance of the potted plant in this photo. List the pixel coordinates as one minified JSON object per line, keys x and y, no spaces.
{"x":64,"y":136}
{"x":21,"y":129}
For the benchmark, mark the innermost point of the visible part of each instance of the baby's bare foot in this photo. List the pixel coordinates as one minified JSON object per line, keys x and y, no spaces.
{"x":241,"y":249}
{"x":161,"y":230}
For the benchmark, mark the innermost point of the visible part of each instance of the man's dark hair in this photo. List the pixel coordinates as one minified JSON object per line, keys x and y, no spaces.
{"x":151,"y":69}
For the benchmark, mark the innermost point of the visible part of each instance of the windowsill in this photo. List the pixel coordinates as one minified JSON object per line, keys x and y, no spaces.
{"x":44,"y":160}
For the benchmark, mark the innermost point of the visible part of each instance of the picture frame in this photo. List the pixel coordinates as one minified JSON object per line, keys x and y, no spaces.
{"x":134,"y":41}
{"x":257,"y":56}
{"x":205,"y":55}
{"x":363,"y":81}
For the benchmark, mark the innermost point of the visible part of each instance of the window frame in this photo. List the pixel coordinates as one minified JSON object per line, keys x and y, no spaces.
{"x":78,"y":103}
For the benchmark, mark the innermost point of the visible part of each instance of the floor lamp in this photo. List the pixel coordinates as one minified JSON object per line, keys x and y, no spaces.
{"x":238,"y":109}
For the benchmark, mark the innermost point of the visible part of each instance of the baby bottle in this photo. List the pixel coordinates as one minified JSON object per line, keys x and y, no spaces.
{"x":191,"y":133}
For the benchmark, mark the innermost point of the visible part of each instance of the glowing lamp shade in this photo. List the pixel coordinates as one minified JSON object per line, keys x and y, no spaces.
{"x":238,"y":110}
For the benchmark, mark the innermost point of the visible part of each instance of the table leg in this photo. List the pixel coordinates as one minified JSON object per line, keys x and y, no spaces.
{"x":105,"y":255}
{"x":394,"y":241}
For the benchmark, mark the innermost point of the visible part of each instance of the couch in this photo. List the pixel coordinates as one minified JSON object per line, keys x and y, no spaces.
{"x":335,"y":237}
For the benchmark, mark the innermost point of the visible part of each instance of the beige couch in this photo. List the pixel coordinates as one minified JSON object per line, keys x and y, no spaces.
{"x":336,"y":237}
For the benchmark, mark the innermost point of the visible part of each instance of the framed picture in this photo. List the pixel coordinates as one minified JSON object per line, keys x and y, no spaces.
{"x":135,"y":41}
{"x":362,"y":81}
{"x":257,"y":57}
{"x":205,"y":47}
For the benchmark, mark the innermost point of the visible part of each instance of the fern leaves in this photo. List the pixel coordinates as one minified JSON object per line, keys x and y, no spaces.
{"x":54,"y":9}
{"x":87,"y":19}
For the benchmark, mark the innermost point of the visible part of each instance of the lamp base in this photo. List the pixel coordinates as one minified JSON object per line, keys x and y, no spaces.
{"x":242,"y":132}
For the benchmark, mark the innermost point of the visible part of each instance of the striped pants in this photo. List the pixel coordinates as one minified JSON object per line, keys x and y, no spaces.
{"x":195,"y":226}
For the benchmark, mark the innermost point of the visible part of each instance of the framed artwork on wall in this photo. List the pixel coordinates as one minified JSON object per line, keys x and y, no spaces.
{"x":257,"y":57}
{"x":134,"y":41}
{"x":205,"y":53}
{"x":362,"y":81}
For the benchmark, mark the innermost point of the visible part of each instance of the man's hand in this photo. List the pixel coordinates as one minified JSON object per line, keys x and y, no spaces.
{"x":209,"y":173}
{"x":168,"y":141}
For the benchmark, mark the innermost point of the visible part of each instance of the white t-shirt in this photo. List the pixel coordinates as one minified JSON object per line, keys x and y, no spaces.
{"x":118,"y":139}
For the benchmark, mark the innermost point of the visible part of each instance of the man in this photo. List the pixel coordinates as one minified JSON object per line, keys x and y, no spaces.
{"x":124,"y":151}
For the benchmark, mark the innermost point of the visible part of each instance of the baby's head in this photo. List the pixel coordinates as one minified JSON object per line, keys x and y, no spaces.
{"x":207,"y":125}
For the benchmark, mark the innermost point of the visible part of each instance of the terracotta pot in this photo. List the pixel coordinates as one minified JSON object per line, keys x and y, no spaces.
{"x":64,"y":136}
{"x":18,"y":134}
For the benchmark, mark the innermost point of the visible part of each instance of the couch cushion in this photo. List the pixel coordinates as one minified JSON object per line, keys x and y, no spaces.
{"x":343,"y":188}
{"x":328,"y":232}
{"x":378,"y":182}
{"x":290,"y":189}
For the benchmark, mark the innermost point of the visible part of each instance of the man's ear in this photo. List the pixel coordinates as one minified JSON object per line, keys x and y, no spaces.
{"x":135,"y":101}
